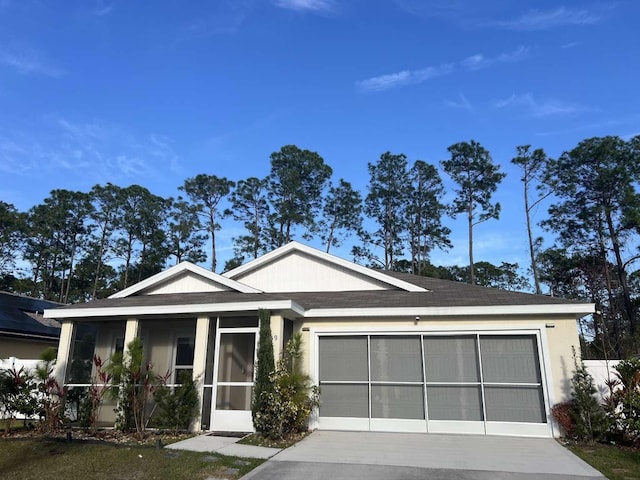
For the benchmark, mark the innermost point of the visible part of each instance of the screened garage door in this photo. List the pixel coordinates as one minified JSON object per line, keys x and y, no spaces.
{"x":477,"y":383}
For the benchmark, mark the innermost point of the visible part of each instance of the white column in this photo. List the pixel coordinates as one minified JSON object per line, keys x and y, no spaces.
{"x":64,"y":350}
{"x":131,"y":331}
{"x":277,"y":334}
{"x":200,"y":364}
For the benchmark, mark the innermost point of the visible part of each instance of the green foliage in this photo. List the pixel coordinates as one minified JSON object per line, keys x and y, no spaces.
{"x":591,"y":422}
{"x":205,"y":193}
{"x":91,"y":403}
{"x":133,"y":381}
{"x":178,"y":406}
{"x":295,"y":186}
{"x":249,"y":206}
{"x":341,"y":214}
{"x":17,"y":388}
{"x":263,"y":385}
{"x":52,"y":395}
{"x":477,"y":177}
{"x":292,"y":399}
{"x":624,"y":400}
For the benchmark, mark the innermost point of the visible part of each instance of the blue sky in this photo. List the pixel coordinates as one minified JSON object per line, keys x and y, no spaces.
{"x":155,"y":92}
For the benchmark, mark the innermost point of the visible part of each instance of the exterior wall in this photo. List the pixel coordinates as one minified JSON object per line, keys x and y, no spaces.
{"x":602,"y":371}
{"x":557,"y":341}
{"x":27,"y":349}
{"x":187,"y":282}
{"x":297,"y":272}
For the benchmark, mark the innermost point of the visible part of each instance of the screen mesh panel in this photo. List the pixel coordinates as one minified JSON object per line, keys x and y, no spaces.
{"x":396,"y":359}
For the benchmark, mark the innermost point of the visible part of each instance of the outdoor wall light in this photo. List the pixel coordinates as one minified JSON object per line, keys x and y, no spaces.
{"x":550,"y":325}
{"x":416,"y":320}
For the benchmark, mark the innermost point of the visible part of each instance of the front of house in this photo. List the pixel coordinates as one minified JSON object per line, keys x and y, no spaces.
{"x":390,"y":351}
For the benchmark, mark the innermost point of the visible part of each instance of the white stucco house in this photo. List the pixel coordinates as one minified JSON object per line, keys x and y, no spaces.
{"x":390,"y":351}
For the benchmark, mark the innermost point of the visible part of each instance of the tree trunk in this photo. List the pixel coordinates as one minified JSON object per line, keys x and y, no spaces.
{"x":534,"y":266}
{"x":472,"y":278}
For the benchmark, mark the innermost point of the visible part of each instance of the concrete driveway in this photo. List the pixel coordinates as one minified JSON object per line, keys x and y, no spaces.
{"x":330,"y":455}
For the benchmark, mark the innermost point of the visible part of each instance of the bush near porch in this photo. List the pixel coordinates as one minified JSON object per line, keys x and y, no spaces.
{"x":617,"y":420}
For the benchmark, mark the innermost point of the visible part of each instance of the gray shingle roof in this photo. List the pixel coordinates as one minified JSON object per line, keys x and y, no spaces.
{"x":441,"y":293}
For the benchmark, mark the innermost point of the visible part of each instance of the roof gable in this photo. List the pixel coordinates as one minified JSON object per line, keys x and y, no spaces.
{"x":184,"y":278}
{"x":298,"y":268}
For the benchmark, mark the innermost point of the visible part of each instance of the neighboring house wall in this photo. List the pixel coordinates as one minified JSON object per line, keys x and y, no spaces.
{"x":31,"y":349}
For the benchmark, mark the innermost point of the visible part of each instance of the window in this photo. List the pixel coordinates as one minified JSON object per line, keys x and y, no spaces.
{"x":183,"y":363}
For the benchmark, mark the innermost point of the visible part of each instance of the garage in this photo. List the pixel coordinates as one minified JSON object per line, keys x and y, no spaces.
{"x":439,"y":382}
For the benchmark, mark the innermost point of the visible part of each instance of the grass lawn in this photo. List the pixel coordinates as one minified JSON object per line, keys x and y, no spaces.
{"x":37,"y":459}
{"x":615,"y":462}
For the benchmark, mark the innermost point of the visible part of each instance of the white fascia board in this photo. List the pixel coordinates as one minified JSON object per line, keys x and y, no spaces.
{"x":571,"y":308}
{"x":136,"y":311}
{"x":299,"y":247}
{"x":177,"y":270}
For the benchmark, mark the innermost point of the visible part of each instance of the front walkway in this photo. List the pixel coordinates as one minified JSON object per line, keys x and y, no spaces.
{"x":224,"y":446}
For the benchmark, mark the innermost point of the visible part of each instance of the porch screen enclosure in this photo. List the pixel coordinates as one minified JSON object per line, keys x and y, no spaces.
{"x":471,"y":383}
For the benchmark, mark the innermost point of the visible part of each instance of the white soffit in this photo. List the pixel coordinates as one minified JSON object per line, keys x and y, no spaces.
{"x":367,"y":276}
{"x":176,"y":273}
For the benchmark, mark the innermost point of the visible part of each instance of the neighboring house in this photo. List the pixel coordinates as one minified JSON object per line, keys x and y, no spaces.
{"x":24,"y":332}
{"x":390,"y":351}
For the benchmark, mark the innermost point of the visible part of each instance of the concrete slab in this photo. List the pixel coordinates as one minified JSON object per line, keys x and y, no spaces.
{"x":434,"y":451}
{"x":272,"y":470}
{"x":224,"y":446}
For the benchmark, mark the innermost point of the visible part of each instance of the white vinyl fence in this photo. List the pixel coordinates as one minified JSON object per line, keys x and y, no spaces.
{"x":602,"y":371}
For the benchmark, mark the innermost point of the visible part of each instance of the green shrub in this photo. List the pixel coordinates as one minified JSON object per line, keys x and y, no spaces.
{"x":591,"y":421}
{"x":624,"y":401}
{"x":17,"y":389}
{"x":179,"y":406}
{"x":265,"y":367}
{"x":293,"y":398}
{"x":133,"y":382}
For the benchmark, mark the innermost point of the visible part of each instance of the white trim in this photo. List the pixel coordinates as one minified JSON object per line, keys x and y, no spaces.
{"x":332,"y":259}
{"x":176,"y":309}
{"x":427,"y":314}
{"x":342,"y":423}
{"x":177,"y":270}
{"x":397,"y":425}
{"x":518,"y":429}
{"x":457,"y":426}
{"x":558,"y":309}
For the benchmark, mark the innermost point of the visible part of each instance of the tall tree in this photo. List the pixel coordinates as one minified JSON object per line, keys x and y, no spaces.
{"x":184,"y":238}
{"x":206,"y":192}
{"x":11,"y":236}
{"x":106,"y":216}
{"x":140,"y":236}
{"x":341,"y":214}
{"x":386,"y":204}
{"x":424,"y":214}
{"x":533,"y":165}
{"x":477,"y":177}
{"x":295,"y":186}
{"x":599,"y":205}
{"x":249,"y":205}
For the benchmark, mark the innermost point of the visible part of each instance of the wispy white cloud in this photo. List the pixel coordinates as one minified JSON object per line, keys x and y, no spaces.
{"x":570,"y":45}
{"x":461,"y":103}
{"x":544,"y":19}
{"x":28,"y":61}
{"x":92,"y":150}
{"x":413,"y":77}
{"x":306,"y":5}
{"x":539,"y":108}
